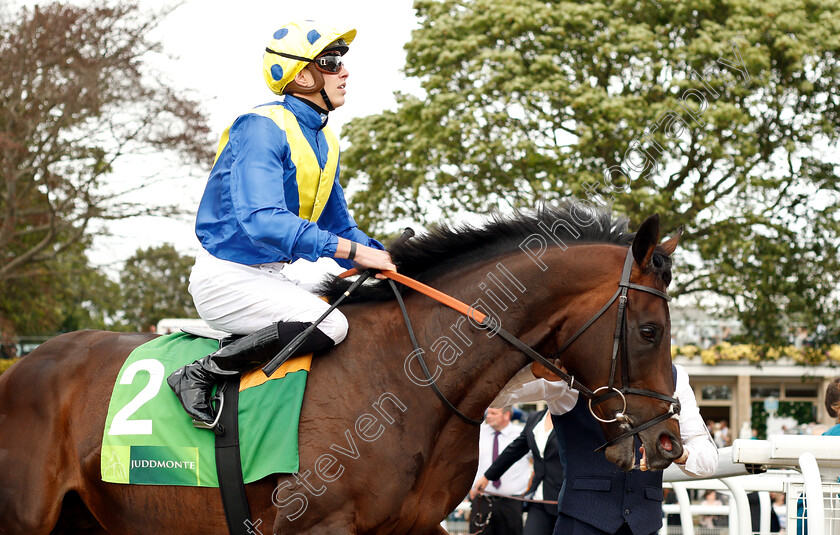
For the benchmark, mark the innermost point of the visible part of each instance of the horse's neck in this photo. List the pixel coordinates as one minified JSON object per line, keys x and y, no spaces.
{"x":522,"y":297}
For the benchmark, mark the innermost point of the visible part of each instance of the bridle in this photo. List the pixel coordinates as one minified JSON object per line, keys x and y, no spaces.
{"x":620,"y":348}
{"x":596,"y":397}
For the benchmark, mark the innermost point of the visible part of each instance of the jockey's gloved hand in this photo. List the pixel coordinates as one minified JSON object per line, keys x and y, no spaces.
{"x":368,"y":257}
{"x":365,"y":257}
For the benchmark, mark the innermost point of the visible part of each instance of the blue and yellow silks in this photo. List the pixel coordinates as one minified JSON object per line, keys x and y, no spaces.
{"x":273,"y":194}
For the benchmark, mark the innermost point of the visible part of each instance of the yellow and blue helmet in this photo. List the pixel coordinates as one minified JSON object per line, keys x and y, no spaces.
{"x":294,"y":45}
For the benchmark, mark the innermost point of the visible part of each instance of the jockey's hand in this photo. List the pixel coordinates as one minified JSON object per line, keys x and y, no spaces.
{"x":478,"y":487}
{"x":366,"y":257}
{"x":643,"y":463}
{"x":541,"y":372}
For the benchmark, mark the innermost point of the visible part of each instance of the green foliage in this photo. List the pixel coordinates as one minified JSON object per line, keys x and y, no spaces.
{"x":803,"y":411}
{"x":154,"y":286}
{"x":718,"y":115}
{"x":59,"y":297}
{"x":725,"y":352}
{"x":76,"y":96}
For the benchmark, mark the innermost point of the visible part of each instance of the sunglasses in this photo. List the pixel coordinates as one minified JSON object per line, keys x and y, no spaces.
{"x":329,"y":63}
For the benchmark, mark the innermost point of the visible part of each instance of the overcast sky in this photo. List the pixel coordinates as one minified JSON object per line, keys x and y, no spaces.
{"x":219,"y":47}
{"x":216,"y":48}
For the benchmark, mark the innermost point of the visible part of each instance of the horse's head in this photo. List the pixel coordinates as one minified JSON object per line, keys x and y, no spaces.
{"x":632,"y":390}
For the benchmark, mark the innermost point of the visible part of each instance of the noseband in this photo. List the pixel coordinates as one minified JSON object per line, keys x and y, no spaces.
{"x":595,"y":397}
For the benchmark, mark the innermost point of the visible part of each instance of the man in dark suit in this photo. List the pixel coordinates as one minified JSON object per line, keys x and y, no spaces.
{"x":597,"y":497}
{"x":538,"y":438}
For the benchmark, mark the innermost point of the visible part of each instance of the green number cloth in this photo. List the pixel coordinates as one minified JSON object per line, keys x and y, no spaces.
{"x":150,"y":440}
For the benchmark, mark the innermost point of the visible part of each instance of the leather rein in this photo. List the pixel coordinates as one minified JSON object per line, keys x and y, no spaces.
{"x":595,"y":397}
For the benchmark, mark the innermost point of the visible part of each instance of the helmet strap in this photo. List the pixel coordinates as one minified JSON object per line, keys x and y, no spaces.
{"x":326,"y":99}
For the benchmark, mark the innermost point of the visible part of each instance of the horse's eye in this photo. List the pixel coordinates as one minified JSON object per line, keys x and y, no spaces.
{"x":648,"y":333}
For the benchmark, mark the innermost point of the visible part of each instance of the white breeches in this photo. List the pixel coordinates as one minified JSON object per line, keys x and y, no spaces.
{"x":241,"y":299}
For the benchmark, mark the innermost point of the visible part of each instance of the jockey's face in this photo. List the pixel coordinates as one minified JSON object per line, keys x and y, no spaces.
{"x":336,"y":86}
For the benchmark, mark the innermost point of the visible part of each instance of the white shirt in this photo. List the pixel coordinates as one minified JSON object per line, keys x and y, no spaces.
{"x":702,"y":460}
{"x":515,"y":480}
{"x":541,"y":433}
{"x":541,"y":439}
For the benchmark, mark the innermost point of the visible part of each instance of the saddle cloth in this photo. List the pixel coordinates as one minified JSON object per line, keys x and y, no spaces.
{"x":149,"y":439}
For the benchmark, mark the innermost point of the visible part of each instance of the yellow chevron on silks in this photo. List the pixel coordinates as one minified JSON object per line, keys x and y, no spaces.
{"x":222,"y":144}
{"x":314,"y":184}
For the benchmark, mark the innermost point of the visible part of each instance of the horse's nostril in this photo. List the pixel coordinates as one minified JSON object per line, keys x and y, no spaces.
{"x":665,"y":442}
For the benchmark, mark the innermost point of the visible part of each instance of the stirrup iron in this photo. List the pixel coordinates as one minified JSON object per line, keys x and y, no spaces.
{"x":214,"y":426}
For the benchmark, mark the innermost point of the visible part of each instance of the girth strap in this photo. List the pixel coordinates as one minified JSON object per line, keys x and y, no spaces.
{"x":229,"y":462}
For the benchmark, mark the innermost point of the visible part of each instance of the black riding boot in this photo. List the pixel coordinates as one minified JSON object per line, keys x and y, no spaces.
{"x":194,"y":382}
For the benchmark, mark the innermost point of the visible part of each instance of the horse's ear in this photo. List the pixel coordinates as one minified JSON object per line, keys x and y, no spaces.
{"x":670,"y":245}
{"x":647,"y":237}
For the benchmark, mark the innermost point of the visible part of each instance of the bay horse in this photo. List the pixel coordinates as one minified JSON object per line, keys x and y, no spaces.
{"x":379,"y":452}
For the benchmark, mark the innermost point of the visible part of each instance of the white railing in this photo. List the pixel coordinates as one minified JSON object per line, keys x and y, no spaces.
{"x":805,"y":468}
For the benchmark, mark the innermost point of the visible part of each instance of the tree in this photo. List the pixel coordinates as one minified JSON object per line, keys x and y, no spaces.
{"x":722,"y":116}
{"x":77,"y":95}
{"x":66,"y":296}
{"x":154,"y":286}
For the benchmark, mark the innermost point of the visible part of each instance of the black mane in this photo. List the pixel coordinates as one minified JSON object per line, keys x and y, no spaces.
{"x":444,"y":246}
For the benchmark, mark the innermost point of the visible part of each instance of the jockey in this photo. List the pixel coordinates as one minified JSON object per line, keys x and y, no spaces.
{"x":273,"y":197}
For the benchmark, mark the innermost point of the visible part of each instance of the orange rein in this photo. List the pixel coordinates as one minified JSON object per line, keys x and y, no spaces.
{"x":437,"y":295}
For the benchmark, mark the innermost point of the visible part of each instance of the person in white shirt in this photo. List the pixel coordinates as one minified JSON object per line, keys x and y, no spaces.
{"x":492,"y":513}
{"x":538,"y":440}
{"x":627,"y":502}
